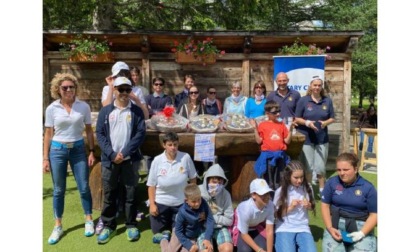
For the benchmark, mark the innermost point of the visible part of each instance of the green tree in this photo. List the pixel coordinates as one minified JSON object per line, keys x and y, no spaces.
{"x":357,"y":15}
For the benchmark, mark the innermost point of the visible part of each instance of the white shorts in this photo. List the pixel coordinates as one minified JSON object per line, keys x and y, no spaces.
{"x":315,"y":157}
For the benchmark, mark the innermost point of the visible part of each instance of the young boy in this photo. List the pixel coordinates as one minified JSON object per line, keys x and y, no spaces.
{"x":273,"y":137}
{"x":220,"y":202}
{"x":193,"y":219}
{"x":120,"y":131}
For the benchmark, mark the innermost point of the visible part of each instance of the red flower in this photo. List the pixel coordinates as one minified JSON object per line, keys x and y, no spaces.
{"x":168,"y":111}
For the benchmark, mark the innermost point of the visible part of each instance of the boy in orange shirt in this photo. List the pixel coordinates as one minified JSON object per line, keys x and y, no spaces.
{"x":273,"y":136}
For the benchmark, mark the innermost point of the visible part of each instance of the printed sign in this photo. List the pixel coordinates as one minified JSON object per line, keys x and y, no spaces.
{"x":204,"y":146}
{"x":300,"y":70}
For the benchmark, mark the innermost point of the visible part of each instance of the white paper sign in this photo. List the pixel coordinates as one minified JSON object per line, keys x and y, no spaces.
{"x":204,"y":147}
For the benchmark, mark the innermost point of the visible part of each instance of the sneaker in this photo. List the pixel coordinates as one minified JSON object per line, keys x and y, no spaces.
{"x":89,"y":228}
{"x":139,"y":216}
{"x":133,"y":234}
{"x":105,"y":235}
{"x":99,"y":226}
{"x":55,"y":235}
{"x":157,"y":238}
{"x":166,"y":235}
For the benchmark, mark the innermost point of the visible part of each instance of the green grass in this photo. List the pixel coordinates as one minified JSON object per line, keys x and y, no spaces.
{"x":365,"y":103}
{"x":73,"y":223}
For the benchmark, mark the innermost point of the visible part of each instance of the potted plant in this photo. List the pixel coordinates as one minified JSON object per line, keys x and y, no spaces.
{"x":196,"y":51}
{"x":298,"y":48}
{"x":87,"y":49}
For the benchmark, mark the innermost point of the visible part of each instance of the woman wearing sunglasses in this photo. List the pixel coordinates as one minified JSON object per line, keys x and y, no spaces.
{"x":65,"y":120}
{"x":157,"y":101}
{"x":191,"y":106}
{"x":254,"y":106}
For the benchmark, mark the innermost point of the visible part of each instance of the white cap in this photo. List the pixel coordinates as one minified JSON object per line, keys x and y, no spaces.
{"x":259,"y":186}
{"x":117,"y":67}
{"x":121,"y":81}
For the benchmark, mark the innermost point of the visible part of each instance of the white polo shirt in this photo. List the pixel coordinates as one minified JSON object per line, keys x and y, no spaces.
{"x":68,"y":127}
{"x":171,"y":177}
{"x":120,"y":127}
{"x":297,"y":220}
{"x":249,"y":216}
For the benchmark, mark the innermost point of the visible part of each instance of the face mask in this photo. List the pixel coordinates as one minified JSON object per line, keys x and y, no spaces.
{"x":214,"y":189}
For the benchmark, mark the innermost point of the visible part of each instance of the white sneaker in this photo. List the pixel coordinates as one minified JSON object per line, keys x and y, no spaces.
{"x":89,"y":228}
{"x":55,"y":235}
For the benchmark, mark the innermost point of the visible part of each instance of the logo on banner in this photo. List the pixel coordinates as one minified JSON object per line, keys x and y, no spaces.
{"x":300,"y":70}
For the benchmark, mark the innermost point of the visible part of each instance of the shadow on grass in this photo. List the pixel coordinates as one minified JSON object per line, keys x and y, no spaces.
{"x":317,"y":232}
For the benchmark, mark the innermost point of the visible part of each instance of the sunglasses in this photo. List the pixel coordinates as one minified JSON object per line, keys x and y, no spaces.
{"x":274,"y":112}
{"x":194,"y":92}
{"x":212,"y":92}
{"x":259,"y":88}
{"x":122,"y":90}
{"x":67,"y":88}
{"x":158,"y":84}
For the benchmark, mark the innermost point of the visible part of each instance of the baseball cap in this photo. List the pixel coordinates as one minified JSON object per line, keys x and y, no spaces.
{"x":117,"y":67}
{"x":259,"y":186}
{"x":121,"y":81}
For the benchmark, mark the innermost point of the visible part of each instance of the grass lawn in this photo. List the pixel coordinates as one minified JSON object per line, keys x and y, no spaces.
{"x":73,"y":223}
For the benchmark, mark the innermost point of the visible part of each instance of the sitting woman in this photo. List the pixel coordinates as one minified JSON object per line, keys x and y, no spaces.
{"x":349,"y":209}
{"x":191,"y":106}
{"x":235,"y":104}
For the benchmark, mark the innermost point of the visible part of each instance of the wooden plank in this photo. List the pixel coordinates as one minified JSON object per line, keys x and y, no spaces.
{"x":347,"y":106}
{"x":245,"y":78}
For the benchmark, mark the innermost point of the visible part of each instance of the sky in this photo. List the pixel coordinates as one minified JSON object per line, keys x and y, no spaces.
{"x":21,"y":131}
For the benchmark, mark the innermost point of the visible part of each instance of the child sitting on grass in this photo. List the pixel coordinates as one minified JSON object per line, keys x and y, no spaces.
{"x":193,"y":225}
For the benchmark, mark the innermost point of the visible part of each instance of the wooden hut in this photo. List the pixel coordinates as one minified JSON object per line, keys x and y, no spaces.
{"x":248,"y":58}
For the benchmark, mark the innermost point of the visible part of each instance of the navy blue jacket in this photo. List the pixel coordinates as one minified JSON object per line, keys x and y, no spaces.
{"x":138,"y":134}
{"x":190,"y":223}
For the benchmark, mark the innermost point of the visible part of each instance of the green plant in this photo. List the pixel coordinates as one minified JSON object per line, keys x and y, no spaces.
{"x":200,"y":49}
{"x":87,"y":46}
{"x":298,"y":48}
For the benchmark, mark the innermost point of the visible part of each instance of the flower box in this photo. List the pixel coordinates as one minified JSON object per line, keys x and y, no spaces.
{"x":184,"y":58}
{"x":104,"y":57}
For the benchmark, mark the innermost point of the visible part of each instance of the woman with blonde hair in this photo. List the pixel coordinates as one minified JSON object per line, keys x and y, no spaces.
{"x":235,"y":104}
{"x":65,"y":120}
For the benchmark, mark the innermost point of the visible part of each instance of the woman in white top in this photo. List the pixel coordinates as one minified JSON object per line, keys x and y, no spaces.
{"x":65,"y":120}
{"x":235,"y":104}
{"x":169,"y":173}
{"x":292,"y":224}
{"x":192,"y":105}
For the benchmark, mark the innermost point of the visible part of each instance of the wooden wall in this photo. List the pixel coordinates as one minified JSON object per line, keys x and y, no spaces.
{"x":247,"y":70}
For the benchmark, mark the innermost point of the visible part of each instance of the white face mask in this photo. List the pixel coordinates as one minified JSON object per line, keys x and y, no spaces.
{"x":214,"y":189}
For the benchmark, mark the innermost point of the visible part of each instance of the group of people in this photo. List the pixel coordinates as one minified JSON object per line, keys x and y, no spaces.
{"x":189,"y":217}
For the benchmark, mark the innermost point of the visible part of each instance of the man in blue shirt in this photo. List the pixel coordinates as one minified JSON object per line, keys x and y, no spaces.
{"x":284,"y":96}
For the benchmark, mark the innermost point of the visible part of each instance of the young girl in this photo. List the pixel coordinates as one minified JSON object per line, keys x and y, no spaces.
{"x":293,"y":203}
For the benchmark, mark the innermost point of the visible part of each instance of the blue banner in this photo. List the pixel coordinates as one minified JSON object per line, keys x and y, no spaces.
{"x":300,"y":70}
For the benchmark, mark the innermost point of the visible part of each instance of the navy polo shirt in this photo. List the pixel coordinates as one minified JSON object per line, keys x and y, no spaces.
{"x":157,"y":103}
{"x":310,"y":110}
{"x":359,"y":197}
{"x":287,"y":103}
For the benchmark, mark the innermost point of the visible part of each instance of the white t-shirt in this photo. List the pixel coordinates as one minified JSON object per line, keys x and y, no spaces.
{"x":136,"y":90}
{"x":67,"y":127}
{"x":249,"y":216}
{"x":170,"y":178}
{"x":297,"y":220}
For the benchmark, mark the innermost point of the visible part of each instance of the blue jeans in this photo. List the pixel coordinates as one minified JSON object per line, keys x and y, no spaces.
{"x":366,"y":244}
{"x":370,"y":142}
{"x":59,"y":158}
{"x":290,"y":242}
